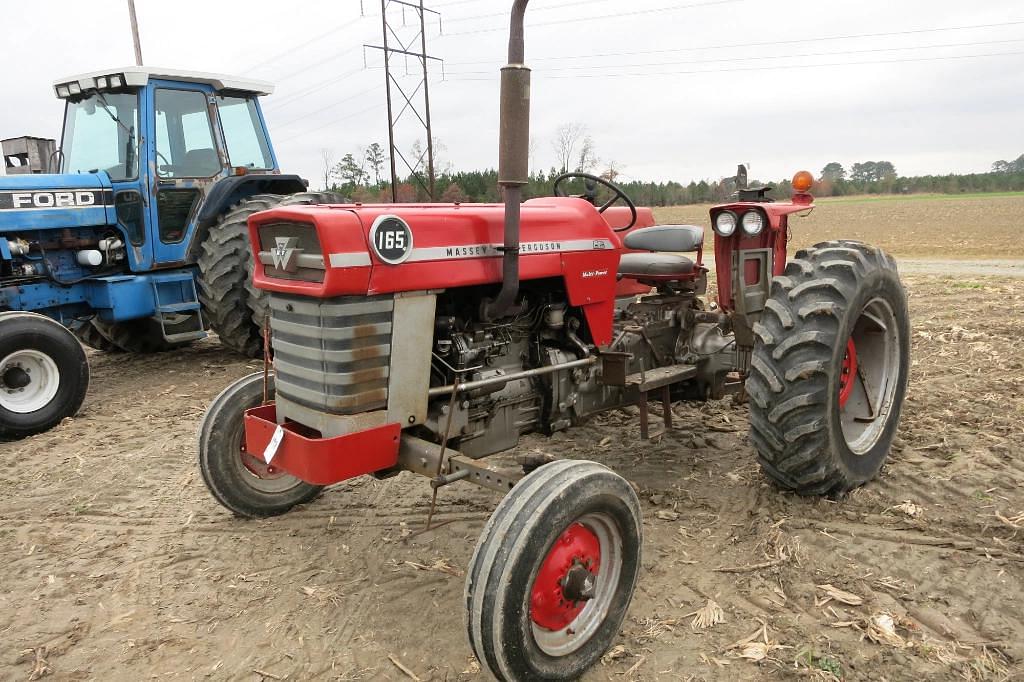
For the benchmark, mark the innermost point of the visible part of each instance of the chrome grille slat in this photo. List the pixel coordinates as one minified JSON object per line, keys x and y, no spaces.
{"x":332,"y":355}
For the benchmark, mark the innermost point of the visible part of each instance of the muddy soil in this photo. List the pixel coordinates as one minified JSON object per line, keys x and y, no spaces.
{"x":119,"y":566}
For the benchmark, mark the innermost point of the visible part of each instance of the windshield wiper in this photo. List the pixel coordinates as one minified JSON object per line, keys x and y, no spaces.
{"x":129,"y":152}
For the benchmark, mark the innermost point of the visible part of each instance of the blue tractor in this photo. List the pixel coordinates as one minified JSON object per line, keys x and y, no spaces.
{"x":139,"y":241}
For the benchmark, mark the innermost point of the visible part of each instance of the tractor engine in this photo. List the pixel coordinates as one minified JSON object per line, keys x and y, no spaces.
{"x":546,"y":335}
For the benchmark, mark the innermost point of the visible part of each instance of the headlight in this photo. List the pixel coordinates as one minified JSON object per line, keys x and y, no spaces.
{"x":117,"y":81}
{"x":102,"y":83}
{"x":753,"y":223}
{"x":725,"y":224}
{"x":75,"y":88}
{"x":62,"y":91}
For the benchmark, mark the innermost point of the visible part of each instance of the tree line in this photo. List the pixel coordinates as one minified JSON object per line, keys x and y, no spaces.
{"x":364,"y":176}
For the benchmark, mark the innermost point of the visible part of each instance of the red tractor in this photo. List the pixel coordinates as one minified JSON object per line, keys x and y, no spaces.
{"x":424,"y":338}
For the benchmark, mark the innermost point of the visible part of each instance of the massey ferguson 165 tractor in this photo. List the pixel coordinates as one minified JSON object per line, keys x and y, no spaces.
{"x":424,"y":338}
{"x":134,"y":234}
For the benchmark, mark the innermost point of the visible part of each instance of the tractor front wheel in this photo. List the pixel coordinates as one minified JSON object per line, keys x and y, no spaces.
{"x":828,"y":372}
{"x":44,"y":374}
{"x":241,"y":481}
{"x":554,"y":572}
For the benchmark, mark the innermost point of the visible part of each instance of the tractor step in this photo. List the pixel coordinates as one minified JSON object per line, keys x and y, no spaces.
{"x":660,"y":378}
{"x":178,"y":308}
{"x":181,"y":289}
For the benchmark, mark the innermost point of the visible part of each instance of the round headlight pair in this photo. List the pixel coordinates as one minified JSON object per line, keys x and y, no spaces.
{"x":752,"y":222}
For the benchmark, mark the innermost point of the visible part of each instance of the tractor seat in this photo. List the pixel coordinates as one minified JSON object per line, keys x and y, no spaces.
{"x":199,"y":163}
{"x":663,"y":243}
{"x":671,"y":238}
{"x":659,"y":265}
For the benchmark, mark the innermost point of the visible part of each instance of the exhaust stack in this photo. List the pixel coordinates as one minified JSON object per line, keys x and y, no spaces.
{"x":513,"y":159}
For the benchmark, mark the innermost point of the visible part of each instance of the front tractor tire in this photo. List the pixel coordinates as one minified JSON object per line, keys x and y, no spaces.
{"x":234,"y":308}
{"x":554,"y":572}
{"x":91,"y":336}
{"x":142,"y":336}
{"x":44,"y":374}
{"x":242,"y":482}
{"x":828,"y":373}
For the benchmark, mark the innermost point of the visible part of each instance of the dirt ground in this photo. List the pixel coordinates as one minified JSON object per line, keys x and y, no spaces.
{"x":119,"y":566}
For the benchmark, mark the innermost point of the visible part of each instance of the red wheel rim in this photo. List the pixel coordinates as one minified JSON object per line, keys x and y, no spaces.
{"x":847,"y":373}
{"x":577,"y":549}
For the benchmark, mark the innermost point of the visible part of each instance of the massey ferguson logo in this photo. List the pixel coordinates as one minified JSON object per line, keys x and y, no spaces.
{"x":285,"y":253}
{"x":50,"y":199}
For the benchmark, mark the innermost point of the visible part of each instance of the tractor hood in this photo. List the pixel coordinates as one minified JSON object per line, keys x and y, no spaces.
{"x":55,"y":201}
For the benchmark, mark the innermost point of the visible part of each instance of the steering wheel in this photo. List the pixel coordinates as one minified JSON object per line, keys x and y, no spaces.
{"x":591,"y":194}
{"x":167,"y":167}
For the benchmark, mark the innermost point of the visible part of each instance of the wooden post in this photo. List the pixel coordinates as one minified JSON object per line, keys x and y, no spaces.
{"x":135,"y":33}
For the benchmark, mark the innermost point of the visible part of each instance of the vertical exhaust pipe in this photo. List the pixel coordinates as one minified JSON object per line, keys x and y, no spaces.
{"x":513,"y":159}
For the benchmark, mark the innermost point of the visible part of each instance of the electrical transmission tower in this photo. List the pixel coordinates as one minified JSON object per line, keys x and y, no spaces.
{"x":404,"y":30}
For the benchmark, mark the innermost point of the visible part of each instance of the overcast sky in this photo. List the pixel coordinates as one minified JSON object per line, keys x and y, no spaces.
{"x":669,"y":89}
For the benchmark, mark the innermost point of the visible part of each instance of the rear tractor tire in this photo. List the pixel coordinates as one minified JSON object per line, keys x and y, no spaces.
{"x":829,"y":369}
{"x":554,"y":572}
{"x":234,"y":308}
{"x":242,"y":482}
{"x":44,"y":374}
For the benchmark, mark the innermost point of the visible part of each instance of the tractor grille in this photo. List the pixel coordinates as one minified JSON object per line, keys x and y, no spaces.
{"x":332,"y":355}
{"x":306,"y":260}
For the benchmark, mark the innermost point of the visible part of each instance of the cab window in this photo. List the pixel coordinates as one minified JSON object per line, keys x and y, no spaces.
{"x":100,"y":134}
{"x":246,"y":140}
{"x":185,"y":144}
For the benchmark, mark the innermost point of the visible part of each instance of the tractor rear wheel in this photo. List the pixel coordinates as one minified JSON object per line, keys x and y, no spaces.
{"x":90,"y":335}
{"x":829,"y":368}
{"x":233,"y":307}
{"x":554,"y":572}
{"x":142,"y":336}
{"x":44,"y":374}
{"x":240,"y":481}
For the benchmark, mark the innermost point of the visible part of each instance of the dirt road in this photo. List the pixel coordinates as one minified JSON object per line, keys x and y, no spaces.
{"x":118,"y":565}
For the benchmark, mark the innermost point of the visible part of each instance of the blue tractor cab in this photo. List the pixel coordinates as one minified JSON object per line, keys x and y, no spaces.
{"x":138,"y":243}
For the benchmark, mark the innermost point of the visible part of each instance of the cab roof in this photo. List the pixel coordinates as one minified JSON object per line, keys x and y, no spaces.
{"x":138,"y":76}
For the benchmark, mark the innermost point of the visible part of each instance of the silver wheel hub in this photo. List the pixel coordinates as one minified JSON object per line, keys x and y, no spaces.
{"x":870,"y":406}
{"x":29,"y":380}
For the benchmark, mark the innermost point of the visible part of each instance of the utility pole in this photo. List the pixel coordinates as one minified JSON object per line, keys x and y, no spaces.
{"x":417,"y":99}
{"x":135,"y":32}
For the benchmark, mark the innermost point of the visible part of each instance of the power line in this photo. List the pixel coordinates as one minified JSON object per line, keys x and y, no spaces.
{"x":533,"y":12}
{"x":302,"y":94}
{"x":620,"y":15}
{"x":333,"y":105}
{"x":764,"y":68}
{"x":373,"y":107}
{"x":306,"y":42}
{"x":457,"y":2}
{"x":320,"y":63}
{"x":760,"y":57}
{"x":730,"y":46}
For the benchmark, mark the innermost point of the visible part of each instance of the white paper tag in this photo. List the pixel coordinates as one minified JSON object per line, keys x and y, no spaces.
{"x":274,"y":444}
